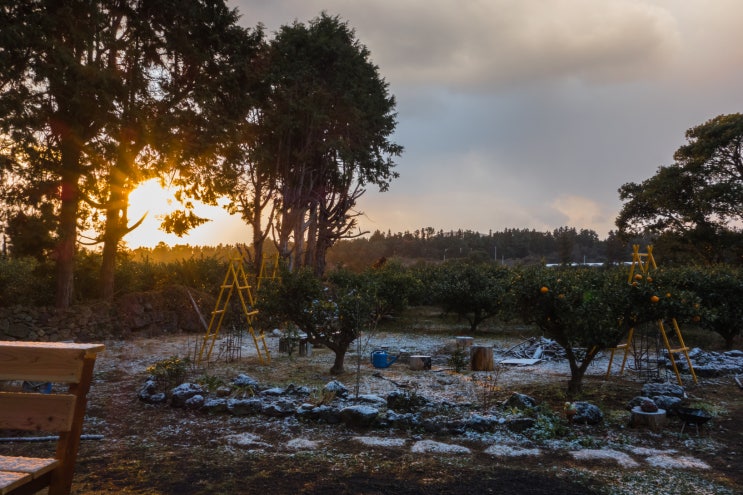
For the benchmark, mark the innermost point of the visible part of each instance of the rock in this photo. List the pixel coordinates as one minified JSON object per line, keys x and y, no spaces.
{"x":149,"y":394}
{"x":275,"y":391}
{"x":292,"y":389}
{"x":637,"y":401}
{"x":336,"y":388}
{"x":244,"y":381}
{"x":482,"y":424}
{"x":520,"y":401}
{"x":713,"y":370}
{"x":215,"y":406}
{"x":323,"y":414}
{"x":587,"y":413}
{"x":654,"y":389}
{"x":195,"y":402}
{"x":519,"y":424}
{"x":403,"y":401}
{"x":666,"y":402}
{"x":359,"y":416}
{"x":648,"y":406}
{"x":180,"y":394}
{"x":404,"y":421}
{"x":244,"y":407}
{"x":372,"y":399}
{"x":223,"y":391}
{"x":280,"y":409}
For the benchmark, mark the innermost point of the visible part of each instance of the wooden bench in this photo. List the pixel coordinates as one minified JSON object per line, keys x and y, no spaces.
{"x":58,"y":413}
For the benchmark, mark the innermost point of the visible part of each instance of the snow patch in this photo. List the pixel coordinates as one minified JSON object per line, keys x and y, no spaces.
{"x":683,"y":462}
{"x":621,"y":458}
{"x":646,"y":451}
{"x":431,"y":447}
{"x":245,"y":440}
{"x":510,"y":451}
{"x":381,"y":441}
{"x":302,"y":444}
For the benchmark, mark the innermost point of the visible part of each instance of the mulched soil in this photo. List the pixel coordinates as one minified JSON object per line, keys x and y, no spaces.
{"x":150,"y":449}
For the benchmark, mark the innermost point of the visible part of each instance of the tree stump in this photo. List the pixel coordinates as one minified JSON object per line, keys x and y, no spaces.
{"x":305,"y":348}
{"x":481,"y":358}
{"x":653,"y":420}
{"x":464,"y":342}
{"x":418,"y":362}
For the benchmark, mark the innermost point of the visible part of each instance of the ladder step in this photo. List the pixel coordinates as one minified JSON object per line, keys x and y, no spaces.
{"x":680,"y":349}
{"x":218,"y":311}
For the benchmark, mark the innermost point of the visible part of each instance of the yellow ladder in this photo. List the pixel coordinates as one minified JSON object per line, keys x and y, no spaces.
{"x":674,"y":350}
{"x":644,"y":262}
{"x":235,"y":279}
{"x":274,"y":270}
{"x":626,"y":348}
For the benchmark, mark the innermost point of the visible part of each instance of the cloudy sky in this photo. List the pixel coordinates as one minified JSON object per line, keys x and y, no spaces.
{"x":532,"y":113}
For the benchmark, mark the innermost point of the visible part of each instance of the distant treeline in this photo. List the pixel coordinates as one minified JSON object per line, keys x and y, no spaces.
{"x":564,"y":245}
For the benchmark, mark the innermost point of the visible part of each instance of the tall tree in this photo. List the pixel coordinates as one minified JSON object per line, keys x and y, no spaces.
{"x":57,"y":90}
{"x":699,"y":198}
{"x":325,"y":132}
{"x":119,"y":91}
{"x":185,"y":82}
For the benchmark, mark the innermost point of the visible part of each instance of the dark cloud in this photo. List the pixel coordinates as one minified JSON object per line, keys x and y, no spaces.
{"x":525,"y":113}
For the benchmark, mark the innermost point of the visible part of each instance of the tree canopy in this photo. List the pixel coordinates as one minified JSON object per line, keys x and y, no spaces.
{"x":323,"y":136}
{"x":697,"y":202}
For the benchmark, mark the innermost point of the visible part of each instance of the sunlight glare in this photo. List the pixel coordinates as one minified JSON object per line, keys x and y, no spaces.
{"x":156,"y":201}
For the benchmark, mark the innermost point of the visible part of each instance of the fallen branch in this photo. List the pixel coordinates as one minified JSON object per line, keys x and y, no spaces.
{"x":52,"y":438}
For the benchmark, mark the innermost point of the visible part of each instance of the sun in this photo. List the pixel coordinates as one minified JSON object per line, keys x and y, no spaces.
{"x":155,"y":201}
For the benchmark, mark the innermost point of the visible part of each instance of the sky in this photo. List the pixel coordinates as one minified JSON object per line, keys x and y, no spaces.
{"x":526,"y":113}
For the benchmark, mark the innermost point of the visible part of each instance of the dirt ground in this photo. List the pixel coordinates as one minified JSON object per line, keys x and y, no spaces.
{"x":156,"y":449}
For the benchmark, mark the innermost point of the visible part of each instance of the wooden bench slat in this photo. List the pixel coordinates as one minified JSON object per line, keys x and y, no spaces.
{"x":45,"y":362}
{"x":10,"y":480}
{"x":36,"y":412}
{"x":41,"y":365}
{"x":35,"y":466}
{"x":58,"y":362}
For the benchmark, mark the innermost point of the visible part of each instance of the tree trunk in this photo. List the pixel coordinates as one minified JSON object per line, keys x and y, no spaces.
{"x":115,"y":229}
{"x":67,"y":239}
{"x":340,"y":356}
{"x":481,"y":358}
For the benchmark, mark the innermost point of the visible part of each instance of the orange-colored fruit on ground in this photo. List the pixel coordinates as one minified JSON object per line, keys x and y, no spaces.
{"x":649,"y":279}
{"x":668,"y":294}
{"x":638,"y":276}
{"x":544,"y":290}
{"x":696,"y":318}
{"x":654,"y":299}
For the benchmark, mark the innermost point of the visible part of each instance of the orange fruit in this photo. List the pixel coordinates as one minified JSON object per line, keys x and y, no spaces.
{"x":668,"y":294}
{"x":638,"y":276}
{"x":654,"y":299}
{"x":544,"y":290}
{"x":649,"y":279}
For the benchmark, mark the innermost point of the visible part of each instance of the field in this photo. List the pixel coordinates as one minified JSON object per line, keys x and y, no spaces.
{"x":142,"y":449}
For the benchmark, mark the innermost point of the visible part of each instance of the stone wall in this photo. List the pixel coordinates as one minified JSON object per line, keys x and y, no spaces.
{"x":141,"y":313}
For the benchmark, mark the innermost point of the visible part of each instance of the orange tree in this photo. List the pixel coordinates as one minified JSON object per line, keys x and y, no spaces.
{"x":659,"y":296}
{"x":473,"y":291}
{"x":583,"y":309}
{"x":718,"y":291}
